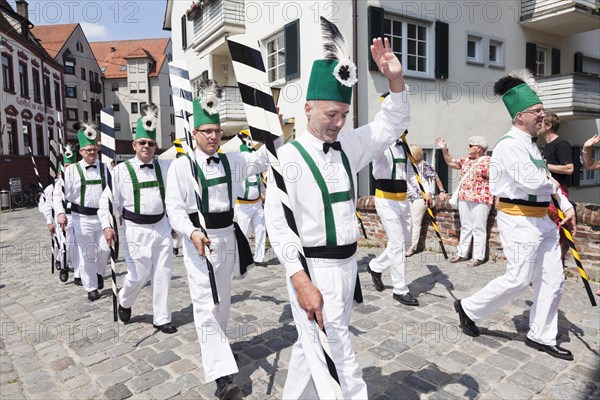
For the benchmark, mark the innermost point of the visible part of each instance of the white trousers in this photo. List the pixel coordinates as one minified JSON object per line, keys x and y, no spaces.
{"x":94,"y":250}
{"x":211,"y":319}
{"x":396,"y":219}
{"x":417,"y":211}
{"x":253,"y":215}
{"x":473,"y":224}
{"x":73,"y":250}
{"x":308,"y":376}
{"x":532,"y":255}
{"x":148,"y":254}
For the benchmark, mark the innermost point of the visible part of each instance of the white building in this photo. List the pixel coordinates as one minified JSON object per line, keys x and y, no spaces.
{"x":135,"y":73}
{"x":452,"y":53}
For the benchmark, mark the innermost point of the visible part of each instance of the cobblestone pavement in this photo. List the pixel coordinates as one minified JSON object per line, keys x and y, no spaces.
{"x":55,"y":344}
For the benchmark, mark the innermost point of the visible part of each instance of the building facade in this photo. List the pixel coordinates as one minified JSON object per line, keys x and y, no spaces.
{"x":135,"y":73}
{"x":68,"y":45}
{"x":32,"y":102}
{"x":452,"y":53}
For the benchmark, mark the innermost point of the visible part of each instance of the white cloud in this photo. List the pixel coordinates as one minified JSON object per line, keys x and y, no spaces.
{"x":94,"y":31}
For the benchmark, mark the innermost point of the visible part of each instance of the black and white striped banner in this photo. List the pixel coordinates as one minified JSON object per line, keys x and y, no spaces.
{"x":61,"y":167}
{"x":53,"y":160}
{"x":183,"y":105}
{"x":107,"y":157}
{"x":265,"y":127}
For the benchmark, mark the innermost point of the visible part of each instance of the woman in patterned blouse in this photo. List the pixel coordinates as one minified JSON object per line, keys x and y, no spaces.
{"x":474,"y":198}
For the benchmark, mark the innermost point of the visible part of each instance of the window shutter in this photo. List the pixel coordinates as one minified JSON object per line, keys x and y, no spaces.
{"x":578,"y":66}
{"x":291,"y":33}
{"x":530,"y":57}
{"x":441,"y":49}
{"x":574,"y":179}
{"x":441,"y":168}
{"x":184,"y":32}
{"x":555,"y":61}
{"x":375,"y":15}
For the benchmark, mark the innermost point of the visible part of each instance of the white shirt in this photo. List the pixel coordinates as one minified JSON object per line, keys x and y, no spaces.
{"x":45,"y":204}
{"x":72,"y":185}
{"x":383,"y":165}
{"x":513,"y":175}
{"x":360,"y":145}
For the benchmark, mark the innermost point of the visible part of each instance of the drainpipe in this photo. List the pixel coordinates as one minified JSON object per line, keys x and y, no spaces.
{"x":355,"y":59}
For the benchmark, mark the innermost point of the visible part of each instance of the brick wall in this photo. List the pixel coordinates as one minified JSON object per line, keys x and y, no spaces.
{"x":20,"y":166}
{"x":587,"y":239}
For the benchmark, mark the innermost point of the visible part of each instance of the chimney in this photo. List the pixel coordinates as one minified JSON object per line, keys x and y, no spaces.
{"x":23,"y":8}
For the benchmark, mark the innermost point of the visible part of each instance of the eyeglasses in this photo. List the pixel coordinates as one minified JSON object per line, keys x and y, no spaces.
{"x":90,"y":150}
{"x":535,"y":111}
{"x":209,"y":132}
{"x":473,"y":145}
{"x":146,"y":142}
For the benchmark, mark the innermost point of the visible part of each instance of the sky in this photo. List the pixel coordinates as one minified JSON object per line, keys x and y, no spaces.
{"x":103,"y":20}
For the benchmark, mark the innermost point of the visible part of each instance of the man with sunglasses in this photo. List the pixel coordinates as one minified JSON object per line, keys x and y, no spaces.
{"x":83,"y":187}
{"x":529,"y":237}
{"x":139,"y":196}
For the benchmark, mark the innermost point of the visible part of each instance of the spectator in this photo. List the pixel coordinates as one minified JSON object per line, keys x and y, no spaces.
{"x":588,"y":160}
{"x":474,"y":198}
{"x":417,"y":203}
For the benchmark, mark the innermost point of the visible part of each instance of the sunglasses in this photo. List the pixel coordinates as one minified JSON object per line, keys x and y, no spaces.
{"x":473,"y":145}
{"x":146,"y":142}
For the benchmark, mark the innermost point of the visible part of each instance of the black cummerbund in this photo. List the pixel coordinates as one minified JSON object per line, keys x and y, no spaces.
{"x":391,"y":186}
{"x":331,"y":252}
{"x":83,"y":210}
{"x":141,"y":218}
{"x":524,"y":202}
{"x":214,"y":220}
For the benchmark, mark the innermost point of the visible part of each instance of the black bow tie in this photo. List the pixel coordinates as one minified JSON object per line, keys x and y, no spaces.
{"x":534,"y":139}
{"x":215,"y":159}
{"x":151,"y":166}
{"x":335,"y":145}
{"x":90,"y":166}
{"x":399,"y":142}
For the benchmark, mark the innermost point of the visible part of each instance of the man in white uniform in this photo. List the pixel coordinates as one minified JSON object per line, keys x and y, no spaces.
{"x":220,"y":176}
{"x":391,"y":171}
{"x":529,"y":237}
{"x":324,"y":210}
{"x":83,"y":185}
{"x":139,"y":196}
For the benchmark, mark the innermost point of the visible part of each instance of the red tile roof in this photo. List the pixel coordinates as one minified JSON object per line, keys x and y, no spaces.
{"x":53,"y":37}
{"x":114,"y":54}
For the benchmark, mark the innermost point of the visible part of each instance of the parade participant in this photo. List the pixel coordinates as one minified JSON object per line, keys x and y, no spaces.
{"x":139,"y":196}
{"x":83,"y":188}
{"x":529,"y":237}
{"x":392,"y":176}
{"x":220,"y":176}
{"x":324,"y":210}
{"x":249,"y":207}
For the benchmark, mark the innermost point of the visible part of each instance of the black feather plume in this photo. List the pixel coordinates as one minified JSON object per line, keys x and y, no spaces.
{"x":334,"y":43}
{"x":506,"y":83}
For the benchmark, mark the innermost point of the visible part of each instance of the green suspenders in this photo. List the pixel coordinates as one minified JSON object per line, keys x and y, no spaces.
{"x":328,"y":199}
{"x":396,"y":161}
{"x":206,"y":183}
{"x":137,"y":185}
{"x":250,"y":184}
{"x":85,"y":182}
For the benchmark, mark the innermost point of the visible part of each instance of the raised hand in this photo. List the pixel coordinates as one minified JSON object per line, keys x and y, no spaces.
{"x":386,"y":60}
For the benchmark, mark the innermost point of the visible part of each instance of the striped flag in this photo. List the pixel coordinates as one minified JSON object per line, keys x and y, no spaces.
{"x":107,"y":157}
{"x":265,"y":127}
{"x":61,"y":167}
{"x":53,"y":160}
{"x":183,"y":104}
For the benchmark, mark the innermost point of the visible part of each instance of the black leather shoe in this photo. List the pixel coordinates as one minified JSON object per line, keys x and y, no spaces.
{"x":63,"y":275}
{"x":553,"y":350}
{"x":166,"y":328}
{"x":77,"y":281}
{"x":100,"y":282}
{"x":93,"y":295}
{"x":376,"y":277}
{"x":466,"y":324}
{"x":226,"y":390}
{"x":124,"y":313}
{"x":260,"y":263}
{"x":175,"y":251}
{"x":407,"y":299}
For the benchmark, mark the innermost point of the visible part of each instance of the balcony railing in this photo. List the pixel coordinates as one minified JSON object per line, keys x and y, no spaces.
{"x":95,"y":87}
{"x":218,"y":18}
{"x":560,"y":17}
{"x":231,"y":107}
{"x":571,"y":96}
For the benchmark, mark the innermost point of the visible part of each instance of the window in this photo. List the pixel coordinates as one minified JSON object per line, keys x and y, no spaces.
{"x":83,"y":74}
{"x":170,"y":99}
{"x":57,"y":98}
{"x":495,"y":52}
{"x":85,"y":116}
{"x":23,"y":80}
{"x":590,"y":177}
{"x":184,"y":32}
{"x":39,"y":138}
{"x":72,"y":114}
{"x":172,"y":119}
{"x":123,"y":67}
{"x":27,"y":137}
{"x":7,"y":73}
{"x":69,"y":66}
{"x":142,"y":105}
{"x":13,"y":137}
{"x":474,"y":48}
{"x":95,"y":77}
{"x":134,"y":108}
{"x":541,"y":61}
{"x":35,"y":74}
{"x":47,"y":96}
{"x":117,"y":126}
{"x":133,"y":88}
{"x":116,"y":107}
{"x":103,"y":69}
{"x":84,"y":95}
{"x":410,"y":42}
{"x":276,"y":58}
{"x":142,"y":87}
{"x":115,"y":87}
{"x":71,"y":91}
